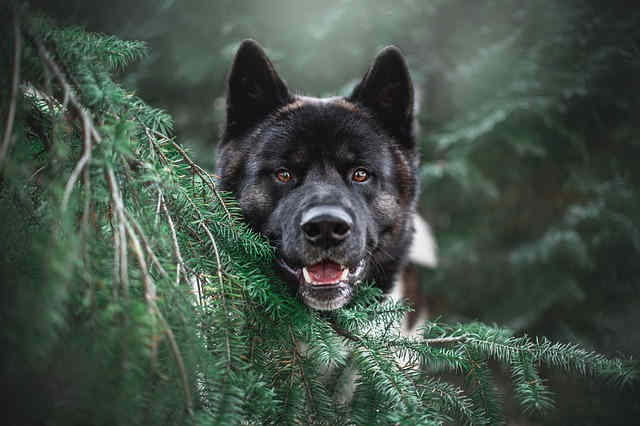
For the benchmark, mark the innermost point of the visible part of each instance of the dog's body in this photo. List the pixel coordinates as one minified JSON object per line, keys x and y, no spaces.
{"x":332,"y":182}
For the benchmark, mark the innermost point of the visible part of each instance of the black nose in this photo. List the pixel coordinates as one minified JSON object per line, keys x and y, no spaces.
{"x":326,"y":226}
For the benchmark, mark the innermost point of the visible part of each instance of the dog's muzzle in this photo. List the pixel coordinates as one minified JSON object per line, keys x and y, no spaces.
{"x":326,"y":282}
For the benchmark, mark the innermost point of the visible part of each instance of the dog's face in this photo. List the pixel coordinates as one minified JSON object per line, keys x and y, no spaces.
{"x":331,"y":181}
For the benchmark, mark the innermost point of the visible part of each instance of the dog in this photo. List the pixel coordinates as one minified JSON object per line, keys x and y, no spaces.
{"x":332,"y":182}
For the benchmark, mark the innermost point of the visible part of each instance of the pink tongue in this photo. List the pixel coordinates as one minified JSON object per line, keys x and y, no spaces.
{"x":325,"y":272}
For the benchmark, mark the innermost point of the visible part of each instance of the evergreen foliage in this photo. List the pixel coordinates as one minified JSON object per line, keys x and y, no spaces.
{"x":133,"y":293}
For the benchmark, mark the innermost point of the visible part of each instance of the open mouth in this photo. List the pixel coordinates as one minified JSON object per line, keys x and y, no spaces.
{"x":326,"y":285}
{"x":325,"y":272}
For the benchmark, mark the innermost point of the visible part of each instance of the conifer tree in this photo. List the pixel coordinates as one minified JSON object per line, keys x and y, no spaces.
{"x":133,"y":292}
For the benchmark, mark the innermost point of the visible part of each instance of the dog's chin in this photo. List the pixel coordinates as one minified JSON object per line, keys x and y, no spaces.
{"x":325,"y":285}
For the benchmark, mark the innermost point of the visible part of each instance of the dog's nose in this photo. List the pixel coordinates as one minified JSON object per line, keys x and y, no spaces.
{"x":326,"y":226}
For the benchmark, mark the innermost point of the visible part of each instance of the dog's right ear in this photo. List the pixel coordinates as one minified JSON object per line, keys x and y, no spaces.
{"x":254,"y":89}
{"x":387,"y":90}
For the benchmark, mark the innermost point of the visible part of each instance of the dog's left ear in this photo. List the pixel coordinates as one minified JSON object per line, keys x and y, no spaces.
{"x":387,"y":90}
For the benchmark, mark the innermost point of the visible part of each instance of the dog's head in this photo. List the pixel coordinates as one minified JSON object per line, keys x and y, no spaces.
{"x":332,"y":182}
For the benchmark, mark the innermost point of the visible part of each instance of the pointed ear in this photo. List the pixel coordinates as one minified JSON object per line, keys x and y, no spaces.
{"x":254,"y":89}
{"x":387,"y":90}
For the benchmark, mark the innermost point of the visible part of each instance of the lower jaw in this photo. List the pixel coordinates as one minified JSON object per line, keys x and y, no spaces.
{"x":326,"y":297}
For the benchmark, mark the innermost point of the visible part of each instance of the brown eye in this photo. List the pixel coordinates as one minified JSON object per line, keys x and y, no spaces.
{"x":360,"y":175}
{"x":283,"y":175}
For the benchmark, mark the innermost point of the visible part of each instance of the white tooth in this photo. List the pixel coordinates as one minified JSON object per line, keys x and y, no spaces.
{"x":306,"y":275}
{"x":345,"y":275}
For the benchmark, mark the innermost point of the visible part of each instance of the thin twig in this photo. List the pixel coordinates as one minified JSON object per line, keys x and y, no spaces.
{"x":84,"y":159}
{"x":116,"y":255}
{"x":199,"y":286}
{"x":297,"y":359}
{"x":146,"y":244}
{"x":148,"y":286}
{"x":149,"y":290}
{"x":147,"y":281}
{"x":440,"y":340}
{"x":8,"y":130}
{"x":85,"y":230}
{"x":152,"y":139}
{"x":37,"y":172}
{"x":86,"y":180}
{"x":121,"y":230}
{"x":179,"y":361}
{"x":157,"y":215}
{"x":344,"y":333}
{"x":174,"y":237}
{"x":50,"y":103}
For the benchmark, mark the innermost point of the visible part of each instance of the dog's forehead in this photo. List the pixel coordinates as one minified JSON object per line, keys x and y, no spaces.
{"x":320,"y":126}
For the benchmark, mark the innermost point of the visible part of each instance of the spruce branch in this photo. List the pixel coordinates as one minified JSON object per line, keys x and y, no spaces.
{"x":17,"y":57}
{"x":216,"y":252}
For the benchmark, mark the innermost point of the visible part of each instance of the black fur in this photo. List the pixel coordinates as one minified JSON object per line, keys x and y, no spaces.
{"x":321,"y":143}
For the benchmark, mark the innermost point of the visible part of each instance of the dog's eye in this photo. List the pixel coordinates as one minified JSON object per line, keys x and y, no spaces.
{"x":360,"y":175}
{"x":283,"y":175}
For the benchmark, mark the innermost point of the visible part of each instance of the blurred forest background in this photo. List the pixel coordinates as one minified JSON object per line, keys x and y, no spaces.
{"x":529,"y":133}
